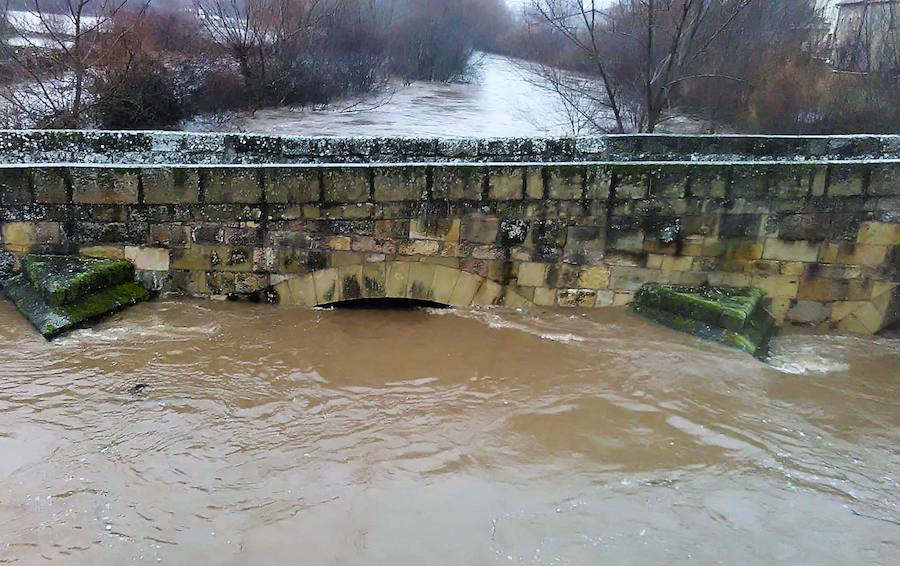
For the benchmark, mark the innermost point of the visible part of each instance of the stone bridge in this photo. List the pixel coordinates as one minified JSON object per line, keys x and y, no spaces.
{"x":814,"y":221}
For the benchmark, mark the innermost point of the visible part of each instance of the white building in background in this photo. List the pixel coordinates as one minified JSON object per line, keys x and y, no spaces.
{"x":867,"y":35}
{"x":829,"y":10}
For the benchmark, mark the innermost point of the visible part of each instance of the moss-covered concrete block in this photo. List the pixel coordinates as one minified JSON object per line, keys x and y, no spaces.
{"x":51,"y":321}
{"x":734,"y":317}
{"x":62,"y":280}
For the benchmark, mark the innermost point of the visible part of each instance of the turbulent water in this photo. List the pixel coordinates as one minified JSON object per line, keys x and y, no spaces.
{"x":502,"y":98}
{"x":273,"y":435}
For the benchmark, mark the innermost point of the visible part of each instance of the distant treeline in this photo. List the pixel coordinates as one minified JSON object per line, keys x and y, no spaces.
{"x":142,"y":65}
{"x":739,"y":65}
{"x":617,"y":65}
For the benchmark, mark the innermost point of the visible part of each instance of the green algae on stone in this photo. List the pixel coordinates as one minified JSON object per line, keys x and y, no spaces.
{"x":62,"y":280}
{"x":51,"y":321}
{"x":719,"y":306}
{"x":734,"y":317}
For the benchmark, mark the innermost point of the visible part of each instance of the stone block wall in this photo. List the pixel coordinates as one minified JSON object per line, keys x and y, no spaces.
{"x":819,"y":235}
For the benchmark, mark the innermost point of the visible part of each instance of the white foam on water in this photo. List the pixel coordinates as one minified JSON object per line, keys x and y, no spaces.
{"x":821,"y":358}
{"x":159,"y":332}
{"x":494,"y":320}
{"x":808,"y":365}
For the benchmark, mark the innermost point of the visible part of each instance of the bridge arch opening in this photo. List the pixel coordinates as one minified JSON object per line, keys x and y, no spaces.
{"x":395,"y":283}
{"x":387,"y":303}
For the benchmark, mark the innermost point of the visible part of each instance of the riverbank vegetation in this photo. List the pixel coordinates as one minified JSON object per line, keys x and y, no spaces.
{"x":617,"y":66}
{"x":736,"y":65}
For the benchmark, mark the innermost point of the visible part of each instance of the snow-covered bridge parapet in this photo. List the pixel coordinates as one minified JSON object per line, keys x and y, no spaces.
{"x":179,"y":148}
{"x":814,"y":221}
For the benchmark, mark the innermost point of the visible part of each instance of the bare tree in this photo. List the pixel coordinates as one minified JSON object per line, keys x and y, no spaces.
{"x":640,"y":51}
{"x":268,"y":39}
{"x":53,"y":48}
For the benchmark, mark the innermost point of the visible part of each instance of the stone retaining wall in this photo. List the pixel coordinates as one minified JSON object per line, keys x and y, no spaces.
{"x":556,"y":222}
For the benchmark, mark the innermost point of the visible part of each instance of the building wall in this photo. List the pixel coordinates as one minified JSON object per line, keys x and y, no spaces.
{"x":867,"y":35}
{"x":815,"y":222}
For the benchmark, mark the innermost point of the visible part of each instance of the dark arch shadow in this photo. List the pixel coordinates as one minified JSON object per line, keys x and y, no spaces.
{"x":388,"y":303}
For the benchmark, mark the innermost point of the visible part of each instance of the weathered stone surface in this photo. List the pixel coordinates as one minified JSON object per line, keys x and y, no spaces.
{"x":292,"y":186}
{"x":104,"y":186}
{"x":222,"y":186}
{"x":566,"y":182}
{"x":148,"y":259}
{"x":732,"y":316}
{"x":507,"y":183}
{"x":346,"y":185}
{"x":52,"y":321}
{"x":846,"y":180}
{"x":22,"y":237}
{"x":399,"y":184}
{"x":50,"y":186}
{"x":632,"y":182}
{"x":480,"y":229}
{"x":458,"y":183}
{"x":171,"y":186}
{"x":570,"y":222}
{"x":15,"y":186}
{"x":61,"y":280}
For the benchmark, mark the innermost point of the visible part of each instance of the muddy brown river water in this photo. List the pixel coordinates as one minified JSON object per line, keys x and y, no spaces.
{"x":271,"y":435}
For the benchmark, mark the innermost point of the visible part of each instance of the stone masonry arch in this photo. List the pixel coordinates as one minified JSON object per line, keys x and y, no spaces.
{"x":556,"y":222}
{"x":415,"y":280}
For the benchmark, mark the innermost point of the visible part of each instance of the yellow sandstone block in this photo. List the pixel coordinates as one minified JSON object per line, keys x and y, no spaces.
{"x":374,"y":279}
{"x":842,"y":309}
{"x":675,"y":263}
{"x":490,"y":293}
{"x":421,"y":277}
{"x":870,"y":318}
{"x":303,"y":291}
{"x":778,"y":308}
{"x":103,"y":252}
{"x":544,"y":297}
{"x":328,"y":290}
{"x":778,"y":286}
{"x":655,"y":261}
{"x":879,"y":234}
{"x":351,"y":282}
{"x":445,"y":279}
{"x":532,"y":274}
{"x":594,"y":278}
{"x":419,"y":248}
{"x":791,"y":251}
{"x":464,"y":290}
{"x":793,"y":268}
{"x":397,"y":279}
{"x":148,"y":259}
{"x":21,"y":236}
{"x":339,"y":243}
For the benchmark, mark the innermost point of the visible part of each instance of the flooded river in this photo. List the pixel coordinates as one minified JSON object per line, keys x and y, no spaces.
{"x":186,"y":432}
{"x":501,"y":98}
